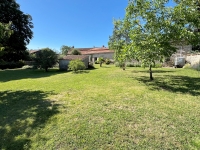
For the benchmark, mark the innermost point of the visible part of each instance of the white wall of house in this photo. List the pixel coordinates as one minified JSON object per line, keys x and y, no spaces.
{"x":93,"y":57}
{"x":192,"y":59}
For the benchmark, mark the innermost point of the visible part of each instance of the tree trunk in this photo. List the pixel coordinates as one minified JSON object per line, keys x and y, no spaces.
{"x":124,"y":66}
{"x":150,"y":73}
{"x":46,"y":69}
{"x":100,"y":64}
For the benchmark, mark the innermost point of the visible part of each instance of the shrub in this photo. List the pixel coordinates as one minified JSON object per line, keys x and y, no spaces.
{"x":101,"y":60}
{"x":76,"y":65}
{"x":158,"y":65}
{"x":107,"y":61}
{"x":116,"y":64}
{"x":187,"y":66}
{"x":75,"y":52}
{"x":96,"y":62}
{"x":45,"y":58}
{"x":11,"y":65}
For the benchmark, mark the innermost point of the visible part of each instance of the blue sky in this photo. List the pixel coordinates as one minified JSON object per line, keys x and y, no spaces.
{"x":76,"y":23}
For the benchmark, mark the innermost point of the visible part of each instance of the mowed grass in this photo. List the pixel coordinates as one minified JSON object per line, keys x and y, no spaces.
{"x":104,"y":108}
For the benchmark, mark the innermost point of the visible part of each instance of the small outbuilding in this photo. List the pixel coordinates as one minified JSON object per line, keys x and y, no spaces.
{"x":64,"y":62}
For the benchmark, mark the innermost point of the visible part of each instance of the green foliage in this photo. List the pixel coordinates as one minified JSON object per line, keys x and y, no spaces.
{"x":153,"y":30}
{"x":65,"y":49}
{"x":100,"y":60}
{"x":96,"y":62}
{"x":5,"y":33}
{"x":120,"y":64}
{"x":107,"y":61}
{"x":76,"y":65}
{"x":118,"y":40}
{"x":157,"y":65}
{"x":15,"y":45}
{"x":11,"y":65}
{"x":187,"y":66}
{"x":130,"y":64}
{"x":45,"y":58}
{"x":75,"y":52}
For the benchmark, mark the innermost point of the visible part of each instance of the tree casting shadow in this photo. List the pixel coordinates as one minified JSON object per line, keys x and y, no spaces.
{"x":20,"y":113}
{"x":181,"y":84}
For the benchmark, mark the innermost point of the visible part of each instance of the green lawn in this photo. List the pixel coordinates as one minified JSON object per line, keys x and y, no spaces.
{"x":104,"y":108}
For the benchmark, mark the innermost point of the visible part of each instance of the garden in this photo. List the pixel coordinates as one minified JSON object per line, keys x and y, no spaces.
{"x":103,"y":108}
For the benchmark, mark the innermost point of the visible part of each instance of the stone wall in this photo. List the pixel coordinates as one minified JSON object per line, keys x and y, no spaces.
{"x":192,"y":59}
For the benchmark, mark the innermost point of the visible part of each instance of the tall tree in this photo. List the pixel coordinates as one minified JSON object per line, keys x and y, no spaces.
{"x":15,"y":46}
{"x":65,"y":49}
{"x":75,"y":52}
{"x":155,"y":29}
{"x":5,"y":33}
{"x":151,"y":31}
{"x":117,"y":41}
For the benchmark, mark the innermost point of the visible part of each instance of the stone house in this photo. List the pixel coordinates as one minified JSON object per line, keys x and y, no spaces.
{"x":64,"y":62}
{"x":96,"y":52}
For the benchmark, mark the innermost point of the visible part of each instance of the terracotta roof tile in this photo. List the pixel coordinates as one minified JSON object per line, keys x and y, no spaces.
{"x":96,"y":50}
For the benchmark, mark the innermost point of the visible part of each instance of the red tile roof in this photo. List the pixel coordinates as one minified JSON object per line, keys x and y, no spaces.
{"x":97,"y":51}
{"x":33,"y":51}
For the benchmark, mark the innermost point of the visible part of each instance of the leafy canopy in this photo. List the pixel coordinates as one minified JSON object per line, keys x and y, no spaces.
{"x":15,"y":45}
{"x":75,"y":52}
{"x":76,"y":65}
{"x":65,"y":49}
{"x":45,"y":58}
{"x":155,"y":30}
{"x":5,"y":33}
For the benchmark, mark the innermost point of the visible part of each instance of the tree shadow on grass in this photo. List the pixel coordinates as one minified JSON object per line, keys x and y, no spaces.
{"x":176,"y":84}
{"x":17,"y":74}
{"x":22,"y":112}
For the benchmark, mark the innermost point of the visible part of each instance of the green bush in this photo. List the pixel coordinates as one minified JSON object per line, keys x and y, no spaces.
{"x":107,"y":61}
{"x":158,"y":65}
{"x":116,"y":64}
{"x":75,"y":52}
{"x":11,"y":65}
{"x":187,"y":66}
{"x":101,"y":60}
{"x":76,"y":65}
{"x":45,"y":59}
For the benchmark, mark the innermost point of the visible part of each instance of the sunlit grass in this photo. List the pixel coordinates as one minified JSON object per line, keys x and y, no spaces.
{"x":104,"y":108}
